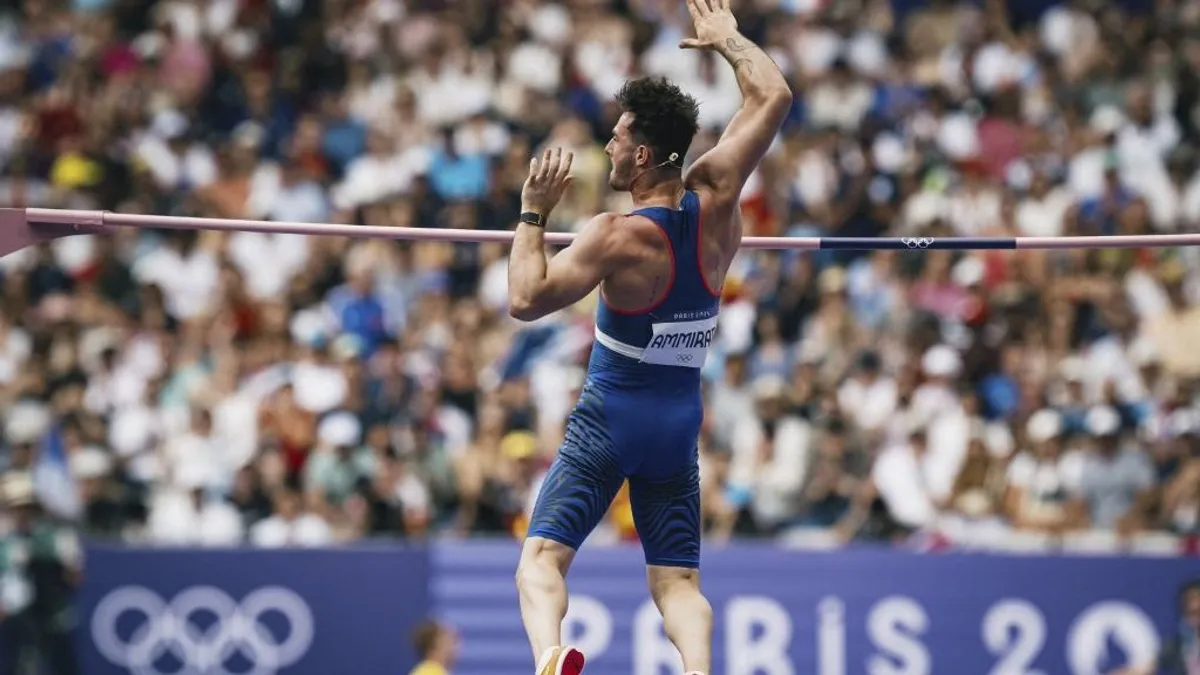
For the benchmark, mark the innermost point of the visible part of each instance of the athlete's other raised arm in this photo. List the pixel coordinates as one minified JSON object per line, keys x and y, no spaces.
{"x":539,"y":285}
{"x":766,"y":99}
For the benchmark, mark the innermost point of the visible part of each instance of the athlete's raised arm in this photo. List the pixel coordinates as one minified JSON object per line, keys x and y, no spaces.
{"x":538,"y":285}
{"x":766,"y":99}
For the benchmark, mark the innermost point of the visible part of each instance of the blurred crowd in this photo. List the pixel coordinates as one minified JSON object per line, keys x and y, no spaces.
{"x":202,"y":388}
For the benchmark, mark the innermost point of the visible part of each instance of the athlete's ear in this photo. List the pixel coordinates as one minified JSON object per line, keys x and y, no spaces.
{"x":641,"y":156}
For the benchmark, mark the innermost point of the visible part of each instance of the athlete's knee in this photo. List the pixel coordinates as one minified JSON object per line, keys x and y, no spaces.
{"x":672,"y":585}
{"x":543,"y":562}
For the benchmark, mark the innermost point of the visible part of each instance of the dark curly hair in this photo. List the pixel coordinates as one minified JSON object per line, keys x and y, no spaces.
{"x":664,"y":117}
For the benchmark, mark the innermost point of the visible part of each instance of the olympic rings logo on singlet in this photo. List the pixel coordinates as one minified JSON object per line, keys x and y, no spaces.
{"x":680,"y":343}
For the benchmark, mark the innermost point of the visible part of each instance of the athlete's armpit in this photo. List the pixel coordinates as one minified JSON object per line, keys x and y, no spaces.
{"x":570,"y":275}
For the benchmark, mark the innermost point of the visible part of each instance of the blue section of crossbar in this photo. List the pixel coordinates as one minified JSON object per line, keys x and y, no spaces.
{"x":918,"y":243}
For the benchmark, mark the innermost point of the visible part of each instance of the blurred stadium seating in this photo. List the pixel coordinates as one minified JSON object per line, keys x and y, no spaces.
{"x":209,"y":390}
{"x":201,"y":388}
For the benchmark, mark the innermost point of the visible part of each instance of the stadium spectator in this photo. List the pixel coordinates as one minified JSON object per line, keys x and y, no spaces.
{"x":289,"y":524}
{"x":42,"y":566}
{"x":1117,"y":480}
{"x":1180,"y":651}
{"x":1042,"y":494}
{"x":437,"y":649}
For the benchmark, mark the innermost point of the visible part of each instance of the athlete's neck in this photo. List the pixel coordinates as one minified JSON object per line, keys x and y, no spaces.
{"x":667,"y":193}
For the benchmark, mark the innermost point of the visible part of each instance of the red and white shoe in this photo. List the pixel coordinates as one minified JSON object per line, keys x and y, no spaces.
{"x":561,"y":661}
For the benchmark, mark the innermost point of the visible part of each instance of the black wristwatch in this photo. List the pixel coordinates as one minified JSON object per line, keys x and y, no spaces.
{"x":532,"y":218}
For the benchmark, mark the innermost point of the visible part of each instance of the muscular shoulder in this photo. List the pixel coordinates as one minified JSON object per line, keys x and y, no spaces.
{"x":624,"y":235}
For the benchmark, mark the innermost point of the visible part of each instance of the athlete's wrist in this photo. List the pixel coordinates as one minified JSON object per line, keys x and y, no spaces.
{"x":731,"y":42}
{"x":532,"y":217}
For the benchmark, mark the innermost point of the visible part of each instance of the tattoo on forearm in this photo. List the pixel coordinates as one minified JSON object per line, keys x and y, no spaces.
{"x":746,"y":63}
{"x":734,"y":46}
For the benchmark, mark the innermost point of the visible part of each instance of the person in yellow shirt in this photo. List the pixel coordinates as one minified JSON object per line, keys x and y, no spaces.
{"x":437,"y":647}
{"x":519,"y":449}
{"x":621,"y":515}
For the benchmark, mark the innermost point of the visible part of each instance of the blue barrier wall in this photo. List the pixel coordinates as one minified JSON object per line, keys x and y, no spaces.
{"x":318,"y":612}
{"x":778,"y":612}
{"x":877,"y":612}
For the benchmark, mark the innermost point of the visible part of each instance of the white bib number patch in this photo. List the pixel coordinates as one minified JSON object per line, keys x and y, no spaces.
{"x":683,"y":343}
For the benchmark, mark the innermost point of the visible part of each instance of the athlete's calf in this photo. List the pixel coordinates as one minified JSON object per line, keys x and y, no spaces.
{"x":542,"y":586}
{"x":686,"y":613}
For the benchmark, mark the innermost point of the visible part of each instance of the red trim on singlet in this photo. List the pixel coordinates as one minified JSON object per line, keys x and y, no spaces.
{"x":666,"y":294}
{"x":699,"y":250}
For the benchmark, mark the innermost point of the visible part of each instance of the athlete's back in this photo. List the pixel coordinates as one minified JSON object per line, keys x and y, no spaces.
{"x":660,"y":345}
{"x":659,"y":270}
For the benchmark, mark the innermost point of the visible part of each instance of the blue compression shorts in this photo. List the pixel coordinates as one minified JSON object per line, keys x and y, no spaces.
{"x":613,"y":434}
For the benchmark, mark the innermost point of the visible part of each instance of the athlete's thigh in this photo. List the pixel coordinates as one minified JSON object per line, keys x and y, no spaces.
{"x":666,"y":512}
{"x":571,"y":502}
{"x":584,"y":478}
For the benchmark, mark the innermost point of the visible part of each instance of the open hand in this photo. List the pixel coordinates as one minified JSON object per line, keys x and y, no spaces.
{"x":548,"y":179}
{"x":714,"y":24}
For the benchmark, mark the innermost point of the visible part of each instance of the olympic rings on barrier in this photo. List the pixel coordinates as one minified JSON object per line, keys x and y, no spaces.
{"x":171,"y":629}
